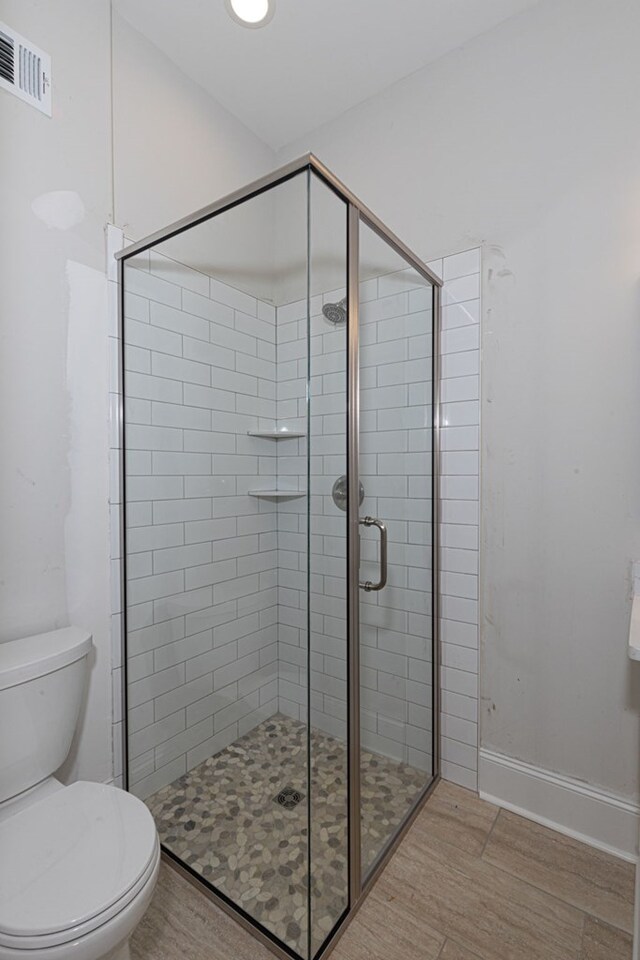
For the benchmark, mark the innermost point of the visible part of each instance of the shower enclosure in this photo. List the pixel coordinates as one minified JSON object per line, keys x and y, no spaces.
{"x":279,"y":422}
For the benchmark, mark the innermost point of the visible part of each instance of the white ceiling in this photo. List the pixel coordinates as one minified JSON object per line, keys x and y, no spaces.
{"x":316,"y":59}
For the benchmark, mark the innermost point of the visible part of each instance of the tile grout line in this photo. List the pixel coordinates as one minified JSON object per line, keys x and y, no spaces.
{"x":488,"y":837}
{"x":584,"y":926}
{"x":441,"y":950}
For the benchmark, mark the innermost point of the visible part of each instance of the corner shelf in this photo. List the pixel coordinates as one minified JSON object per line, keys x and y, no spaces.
{"x":276,"y":434}
{"x":278,"y":494}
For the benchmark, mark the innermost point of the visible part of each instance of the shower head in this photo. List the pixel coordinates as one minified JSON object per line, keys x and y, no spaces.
{"x":336,"y":313}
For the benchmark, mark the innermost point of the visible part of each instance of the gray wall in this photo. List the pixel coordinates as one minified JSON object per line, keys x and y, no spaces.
{"x":57,"y":178}
{"x":527,"y":140}
{"x":55,"y":186}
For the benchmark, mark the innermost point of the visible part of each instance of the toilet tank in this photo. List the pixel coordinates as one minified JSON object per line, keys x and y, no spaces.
{"x":42,"y":682}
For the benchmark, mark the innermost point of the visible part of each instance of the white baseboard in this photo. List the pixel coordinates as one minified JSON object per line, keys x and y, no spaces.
{"x":568,"y":806}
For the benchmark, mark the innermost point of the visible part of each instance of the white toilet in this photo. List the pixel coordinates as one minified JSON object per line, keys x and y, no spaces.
{"x":78,"y":864}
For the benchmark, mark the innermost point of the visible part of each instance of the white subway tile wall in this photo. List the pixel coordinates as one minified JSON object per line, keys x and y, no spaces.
{"x":217,"y":578}
{"x":396,"y":471}
{"x":395,"y":450}
{"x":459,"y":531}
{"x":323,"y":348}
{"x":202,"y":576}
{"x":395,"y":463}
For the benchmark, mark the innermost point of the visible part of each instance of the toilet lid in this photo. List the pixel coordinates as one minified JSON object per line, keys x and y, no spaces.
{"x":70,"y":856}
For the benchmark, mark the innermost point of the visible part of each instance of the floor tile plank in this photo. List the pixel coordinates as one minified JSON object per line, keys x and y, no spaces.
{"x":382,"y":930}
{"x":603,"y":942}
{"x":182,"y":923}
{"x":476,"y":905}
{"x":589,"y":879}
{"x":460,"y":817}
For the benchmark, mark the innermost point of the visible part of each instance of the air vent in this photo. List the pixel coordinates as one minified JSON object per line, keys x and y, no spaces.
{"x":25,"y":70}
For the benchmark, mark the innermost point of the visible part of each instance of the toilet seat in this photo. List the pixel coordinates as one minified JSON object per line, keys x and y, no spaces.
{"x":72,"y":861}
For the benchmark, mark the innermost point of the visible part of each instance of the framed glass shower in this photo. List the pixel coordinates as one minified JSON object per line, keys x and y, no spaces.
{"x":280,"y":529}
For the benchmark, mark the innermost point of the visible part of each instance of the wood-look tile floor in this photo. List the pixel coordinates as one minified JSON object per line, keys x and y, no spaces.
{"x":468,"y":882}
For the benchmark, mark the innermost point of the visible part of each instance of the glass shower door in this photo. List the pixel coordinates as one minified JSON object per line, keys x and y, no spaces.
{"x":215,"y":337}
{"x":395,"y":579}
{"x":327,"y":568}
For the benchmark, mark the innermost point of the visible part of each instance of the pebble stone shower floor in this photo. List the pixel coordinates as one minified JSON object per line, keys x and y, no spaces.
{"x":224,"y":819}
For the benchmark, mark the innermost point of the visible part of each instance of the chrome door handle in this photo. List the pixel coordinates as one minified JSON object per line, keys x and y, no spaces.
{"x":368,"y":585}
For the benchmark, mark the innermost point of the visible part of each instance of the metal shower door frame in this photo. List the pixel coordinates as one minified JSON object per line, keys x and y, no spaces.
{"x":357,"y":214}
{"x":360,"y":215}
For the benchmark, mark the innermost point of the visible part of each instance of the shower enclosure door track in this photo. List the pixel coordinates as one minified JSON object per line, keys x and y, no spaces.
{"x":357,"y":215}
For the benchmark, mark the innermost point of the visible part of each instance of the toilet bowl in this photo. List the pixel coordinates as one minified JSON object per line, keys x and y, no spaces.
{"x":78,"y":863}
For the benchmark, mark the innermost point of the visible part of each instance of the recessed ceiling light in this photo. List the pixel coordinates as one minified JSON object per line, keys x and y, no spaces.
{"x":251,"y":13}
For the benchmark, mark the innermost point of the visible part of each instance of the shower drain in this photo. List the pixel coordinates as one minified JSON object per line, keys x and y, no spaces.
{"x":288,"y":798}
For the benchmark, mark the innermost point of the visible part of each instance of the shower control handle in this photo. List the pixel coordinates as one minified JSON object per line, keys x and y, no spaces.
{"x":368,"y":585}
